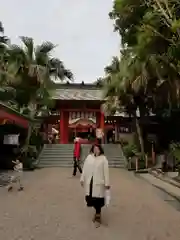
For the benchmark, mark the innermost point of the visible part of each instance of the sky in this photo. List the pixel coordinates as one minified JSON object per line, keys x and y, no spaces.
{"x":80,"y":28}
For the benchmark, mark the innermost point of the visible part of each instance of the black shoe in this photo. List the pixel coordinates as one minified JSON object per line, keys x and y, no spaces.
{"x":10,"y":188}
{"x":21,"y":189}
{"x":97,"y":220}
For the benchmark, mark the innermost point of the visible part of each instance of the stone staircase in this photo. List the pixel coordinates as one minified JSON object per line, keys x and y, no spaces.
{"x":61,"y":155}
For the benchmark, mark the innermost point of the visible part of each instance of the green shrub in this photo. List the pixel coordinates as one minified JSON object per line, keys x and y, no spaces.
{"x":29,"y":163}
{"x":175,"y":151}
{"x":29,"y":158}
{"x":130,"y":150}
{"x":131,"y":153}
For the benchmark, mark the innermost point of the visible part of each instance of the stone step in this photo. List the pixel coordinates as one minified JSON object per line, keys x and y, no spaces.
{"x":70,"y":164}
{"x":45,"y":160}
{"x":57,"y":155}
{"x":87,"y":146}
{"x":108,"y":153}
{"x":46,"y":156}
{"x":56,"y":151}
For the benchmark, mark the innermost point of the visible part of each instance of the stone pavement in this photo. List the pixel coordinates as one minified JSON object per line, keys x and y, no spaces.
{"x":162,"y":184}
{"x":52,"y":208}
{"x":168,"y":177}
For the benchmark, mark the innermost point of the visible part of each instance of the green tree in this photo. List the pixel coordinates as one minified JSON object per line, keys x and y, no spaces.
{"x":121,"y":95}
{"x":33,"y":70}
{"x":148,"y":77}
{"x":6,"y":92}
{"x":150,"y":31}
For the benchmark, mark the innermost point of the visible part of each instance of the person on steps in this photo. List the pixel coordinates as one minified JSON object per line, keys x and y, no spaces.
{"x":99,"y":135}
{"x":77,"y":156}
{"x":95,"y":180}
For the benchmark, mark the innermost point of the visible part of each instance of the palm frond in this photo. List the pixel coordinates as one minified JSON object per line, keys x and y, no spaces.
{"x":113,"y":67}
{"x":1,"y":28}
{"x":17,"y":54}
{"x":58,"y":70}
{"x":29,"y":43}
{"x":45,"y":48}
{"x":38,"y":72}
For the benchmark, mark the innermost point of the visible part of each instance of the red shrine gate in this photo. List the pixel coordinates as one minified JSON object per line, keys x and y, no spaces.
{"x":79,"y":121}
{"x":78,"y":109}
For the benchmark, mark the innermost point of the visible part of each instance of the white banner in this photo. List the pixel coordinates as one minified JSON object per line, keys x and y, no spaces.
{"x":11,"y":139}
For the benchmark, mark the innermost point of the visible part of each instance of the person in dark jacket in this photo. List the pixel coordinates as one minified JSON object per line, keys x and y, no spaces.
{"x":77,"y":156}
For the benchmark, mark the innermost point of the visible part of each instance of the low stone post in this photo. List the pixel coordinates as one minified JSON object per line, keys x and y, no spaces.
{"x":146,"y":161}
{"x":153,"y":154}
{"x":129,"y":163}
{"x":137,"y":164}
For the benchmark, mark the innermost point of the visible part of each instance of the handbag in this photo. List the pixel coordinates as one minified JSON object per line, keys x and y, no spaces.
{"x":107,"y":197}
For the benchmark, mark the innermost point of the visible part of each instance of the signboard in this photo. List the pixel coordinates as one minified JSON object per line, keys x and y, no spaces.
{"x":11,"y":139}
{"x":124,"y":129}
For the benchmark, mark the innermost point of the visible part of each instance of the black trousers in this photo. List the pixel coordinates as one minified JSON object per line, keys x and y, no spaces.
{"x":97,"y":203}
{"x":76,"y":166}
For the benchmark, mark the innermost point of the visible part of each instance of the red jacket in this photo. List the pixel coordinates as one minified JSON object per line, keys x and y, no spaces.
{"x":77,"y":150}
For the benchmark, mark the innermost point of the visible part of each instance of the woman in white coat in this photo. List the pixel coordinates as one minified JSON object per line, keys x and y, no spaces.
{"x":95,"y":180}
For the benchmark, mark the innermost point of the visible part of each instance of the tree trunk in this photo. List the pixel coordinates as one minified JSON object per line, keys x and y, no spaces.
{"x":139,"y":133}
{"x":30,"y":128}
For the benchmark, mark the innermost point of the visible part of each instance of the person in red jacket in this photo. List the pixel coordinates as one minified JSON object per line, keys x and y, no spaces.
{"x":77,"y":156}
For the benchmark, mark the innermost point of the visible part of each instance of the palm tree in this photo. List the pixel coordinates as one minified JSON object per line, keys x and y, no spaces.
{"x":6,"y":92}
{"x":3,"y":39}
{"x":33,"y":69}
{"x":120,"y":93}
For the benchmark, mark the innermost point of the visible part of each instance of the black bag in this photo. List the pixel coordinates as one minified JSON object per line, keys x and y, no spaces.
{"x":89,"y":201}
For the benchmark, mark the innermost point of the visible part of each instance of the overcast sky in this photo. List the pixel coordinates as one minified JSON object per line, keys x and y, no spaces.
{"x":81,"y":29}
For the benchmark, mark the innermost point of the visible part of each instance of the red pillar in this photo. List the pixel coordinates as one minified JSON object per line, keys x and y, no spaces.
{"x":66,"y":127}
{"x":98,"y":116}
{"x":61,"y":132}
{"x":102,"y":119}
{"x":64,"y":123}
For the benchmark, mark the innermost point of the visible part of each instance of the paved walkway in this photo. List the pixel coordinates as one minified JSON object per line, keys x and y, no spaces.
{"x":52,"y":208}
{"x":174,"y":191}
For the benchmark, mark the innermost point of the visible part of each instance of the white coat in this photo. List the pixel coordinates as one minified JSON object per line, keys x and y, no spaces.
{"x":96,"y":167}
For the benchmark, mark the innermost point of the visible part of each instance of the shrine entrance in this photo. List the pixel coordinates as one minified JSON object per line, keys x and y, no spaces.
{"x":84,"y":129}
{"x":78,"y":112}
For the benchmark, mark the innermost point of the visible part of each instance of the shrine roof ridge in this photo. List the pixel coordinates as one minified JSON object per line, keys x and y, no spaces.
{"x":77,"y":91}
{"x":75,"y":85}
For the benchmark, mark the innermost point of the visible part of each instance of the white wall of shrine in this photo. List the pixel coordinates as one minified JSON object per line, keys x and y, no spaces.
{"x":75,"y":116}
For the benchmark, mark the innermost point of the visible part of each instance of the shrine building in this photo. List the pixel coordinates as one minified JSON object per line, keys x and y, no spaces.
{"x":78,"y":112}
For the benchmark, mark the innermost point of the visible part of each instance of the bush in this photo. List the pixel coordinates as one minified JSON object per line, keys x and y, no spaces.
{"x":29,"y":158}
{"x":29,"y":163}
{"x":175,"y":151}
{"x":131,"y":153}
{"x":130,"y":150}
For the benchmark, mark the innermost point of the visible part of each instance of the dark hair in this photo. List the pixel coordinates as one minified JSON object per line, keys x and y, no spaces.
{"x":100,"y":149}
{"x":19,"y":157}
